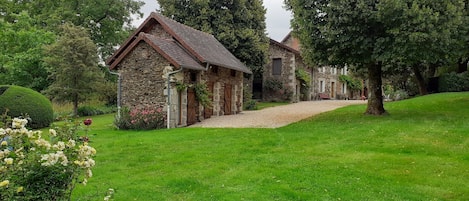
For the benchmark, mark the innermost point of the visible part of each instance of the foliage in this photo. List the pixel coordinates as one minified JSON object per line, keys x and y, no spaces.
{"x":353,"y":84}
{"x":304,"y":77}
{"x":141,"y":119}
{"x":453,"y":82}
{"x":203,"y":94}
{"x":88,"y":110}
{"x":20,"y":101}
{"x":392,"y":93}
{"x":250,"y":105}
{"x":34,"y":168}
{"x":238,"y":25}
{"x":338,"y":155}
{"x":73,"y":66}
{"x":108,"y":92}
{"x":373,"y":34}
{"x":275,"y":91}
{"x":108,"y":20}
{"x":272,"y":84}
{"x":21,"y":53}
{"x":180,"y":86}
{"x":247,"y":93}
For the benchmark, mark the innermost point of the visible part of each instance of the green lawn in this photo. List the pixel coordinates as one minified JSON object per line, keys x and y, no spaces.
{"x":420,"y":151}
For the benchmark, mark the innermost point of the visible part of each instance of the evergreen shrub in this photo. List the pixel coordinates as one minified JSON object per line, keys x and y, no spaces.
{"x":453,"y":82}
{"x":20,"y":101}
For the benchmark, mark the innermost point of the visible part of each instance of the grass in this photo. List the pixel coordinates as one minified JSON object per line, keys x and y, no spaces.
{"x":418,"y":152}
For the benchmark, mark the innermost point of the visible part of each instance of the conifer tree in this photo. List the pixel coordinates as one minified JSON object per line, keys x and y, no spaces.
{"x":73,"y":66}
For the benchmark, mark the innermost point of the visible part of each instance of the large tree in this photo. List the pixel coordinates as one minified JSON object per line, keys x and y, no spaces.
{"x":108,"y":20}
{"x":373,"y":34}
{"x":21,"y":53}
{"x":73,"y":63}
{"x":426,"y":34}
{"x":238,"y":24}
{"x":340,"y":32}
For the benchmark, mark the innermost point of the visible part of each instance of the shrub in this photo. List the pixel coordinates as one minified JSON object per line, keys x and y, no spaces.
{"x":251,"y":105}
{"x":20,"y":101}
{"x":304,"y":77}
{"x":203,"y":94}
{"x":453,"y":82}
{"x":33,"y":168}
{"x":141,"y":119}
{"x":273,"y":84}
{"x":89,"y":111}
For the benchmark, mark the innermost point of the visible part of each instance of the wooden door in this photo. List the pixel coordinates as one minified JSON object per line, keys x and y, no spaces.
{"x":191,"y":107}
{"x":227,"y":99}
{"x":208,"y":111}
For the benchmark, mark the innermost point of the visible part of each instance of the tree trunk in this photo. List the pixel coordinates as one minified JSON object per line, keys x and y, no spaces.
{"x":420,"y":79}
{"x":462,"y":65}
{"x":75,"y":105}
{"x":432,"y":70}
{"x":375,"y":101}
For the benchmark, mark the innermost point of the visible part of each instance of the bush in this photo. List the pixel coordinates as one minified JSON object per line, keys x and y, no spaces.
{"x":91,"y":110}
{"x":251,"y":105}
{"x":273,"y":84}
{"x":34,"y":168}
{"x":19,"y":101}
{"x":453,"y":82}
{"x":141,"y":119}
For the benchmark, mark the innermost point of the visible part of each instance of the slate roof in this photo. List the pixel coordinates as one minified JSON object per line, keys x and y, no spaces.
{"x":201,"y":47}
{"x":294,"y":51}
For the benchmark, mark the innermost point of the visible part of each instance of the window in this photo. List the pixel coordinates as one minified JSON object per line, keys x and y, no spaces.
{"x":277,"y":66}
{"x":344,"y":70}
{"x":322,"y":88}
{"x":233,"y":73}
{"x":344,"y":88}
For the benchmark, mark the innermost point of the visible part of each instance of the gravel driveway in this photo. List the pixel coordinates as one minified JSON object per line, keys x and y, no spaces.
{"x":274,"y":117}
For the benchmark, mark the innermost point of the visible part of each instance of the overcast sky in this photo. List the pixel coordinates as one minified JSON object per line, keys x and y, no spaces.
{"x":277,"y":18}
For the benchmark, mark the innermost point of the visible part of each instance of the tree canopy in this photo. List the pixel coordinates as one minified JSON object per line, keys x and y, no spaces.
{"x":371,"y":34}
{"x":73,"y":63}
{"x":21,"y":53}
{"x":239,"y":25}
{"x":108,"y":20}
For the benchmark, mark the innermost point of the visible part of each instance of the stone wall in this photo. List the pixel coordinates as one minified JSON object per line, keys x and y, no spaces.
{"x":287,"y":76}
{"x":144,"y":84}
{"x":331,"y":85}
{"x":141,"y":73}
{"x":220,"y":77}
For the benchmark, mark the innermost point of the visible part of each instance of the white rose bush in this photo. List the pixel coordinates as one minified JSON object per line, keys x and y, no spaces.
{"x":37,"y":167}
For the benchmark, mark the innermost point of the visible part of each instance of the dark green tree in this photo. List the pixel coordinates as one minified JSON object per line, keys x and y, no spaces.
{"x":73,"y":66}
{"x":340,"y":32}
{"x":238,"y":24}
{"x":21,"y":53}
{"x":371,"y":34}
{"x":426,"y":34}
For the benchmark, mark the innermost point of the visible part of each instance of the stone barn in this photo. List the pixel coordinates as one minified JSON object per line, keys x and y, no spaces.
{"x":164,"y":63}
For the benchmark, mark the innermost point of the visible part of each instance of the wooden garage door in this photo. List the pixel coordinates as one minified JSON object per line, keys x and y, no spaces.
{"x":191,"y":107}
{"x":227,"y":99}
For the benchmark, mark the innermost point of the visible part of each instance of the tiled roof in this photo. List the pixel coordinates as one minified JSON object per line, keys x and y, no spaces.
{"x":202,"y":46}
{"x":172,"y":51}
{"x":294,"y":51}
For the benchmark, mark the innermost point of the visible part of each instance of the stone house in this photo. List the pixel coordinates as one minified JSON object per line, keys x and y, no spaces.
{"x":163,"y":63}
{"x":286,"y":66}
